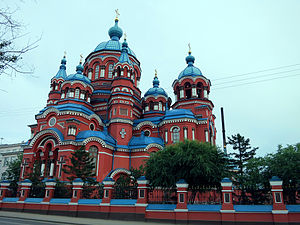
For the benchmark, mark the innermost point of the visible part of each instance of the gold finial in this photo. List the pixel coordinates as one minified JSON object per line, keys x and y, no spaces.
{"x":117,"y":14}
{"x":190,"y":51}
{"x":65,"y":54}
{"x":81,"y":57}
{"x":125,"y":36}
{"x":155,"y":73}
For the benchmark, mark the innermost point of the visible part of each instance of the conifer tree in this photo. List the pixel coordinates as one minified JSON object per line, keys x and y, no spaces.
{"x":81,"y":166}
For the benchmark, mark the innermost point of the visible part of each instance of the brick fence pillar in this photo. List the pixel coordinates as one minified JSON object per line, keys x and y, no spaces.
{"x":280,"y":213}
{"x":182,"y":187}
{"x":25,"y":189}
{"x":143,"y":185}
{"x":108,"y":189}
{"x":77,"y":190}
{"x":227,"y":203}
{"x":4,"y":189}
{"x":49,"y":187}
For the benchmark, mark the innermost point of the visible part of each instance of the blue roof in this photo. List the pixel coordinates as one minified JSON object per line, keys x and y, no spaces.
{"x":89,"y":201}
{"x":62,"y":70}
{"x":82,"y":135}
{"x":208,"y":208}
{"x":155,"y":120}
{"x":69,"y":107}
{"x":123,"y":201}
{"x":60,"y":200}
{"x":190,"y":70}
{"x":293,"y":208}
{"x":156,"y":90}
{"x":113,"y":45}
{"x":179,"y":113}
{"x":161,"y":207}
{"x":253,"y":208}
{"x":78,"y":75}
{"x":142,"y":141}
{"x":124,"y":58}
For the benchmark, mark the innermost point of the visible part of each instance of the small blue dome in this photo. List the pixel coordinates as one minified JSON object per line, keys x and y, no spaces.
{"x":115,"y":32}
{"x":78,"y":75}
{"x":156,"y":90}
{"x":190,"y":70}
{"x":62,"y":69}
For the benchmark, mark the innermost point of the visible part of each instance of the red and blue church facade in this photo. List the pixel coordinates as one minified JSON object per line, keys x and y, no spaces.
{"x":101,"y":107}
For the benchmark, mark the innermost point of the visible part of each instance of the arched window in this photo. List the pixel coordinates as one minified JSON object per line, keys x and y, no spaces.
{"x":188,"y":90}
{"x":175,"y":134}
{"x":90,"y":74}
{"x":160,"y":106}
{"x":97,"y":72}
{"x":151,"y":105}
{"x":199,"y":90}
{"x":110,"y":70}
{"x":77,"y":91}
{"x":93,"y":154}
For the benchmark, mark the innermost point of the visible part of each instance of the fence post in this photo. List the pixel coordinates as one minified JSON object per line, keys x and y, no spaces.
{"x":25,"y":189}
{"x":108,"y":188}
{"x":49,"y":187}
{"x":77,"y":190}
{"x":4,"y":189}
{"x":182,"y":187}
{"x":227,"y":203}
{"x":143,"y":185}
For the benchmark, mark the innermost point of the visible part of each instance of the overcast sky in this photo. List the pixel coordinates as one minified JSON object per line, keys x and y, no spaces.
{"x":228,"y":38}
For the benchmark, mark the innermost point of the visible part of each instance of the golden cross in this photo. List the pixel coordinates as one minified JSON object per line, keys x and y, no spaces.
{"x":117,"y":14}
{"x":155,"y":73}
{"x":125,"y":36}
{"x":190,"y":51}
{"x":81,"y":57}
{"x":65,"y":54}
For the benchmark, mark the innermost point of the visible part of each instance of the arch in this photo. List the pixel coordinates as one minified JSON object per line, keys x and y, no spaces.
{"x":188,"y":90}
{"x":175,"y":134}
{"x":93,"y":154}
{"x":199,"y":90}
{"x":115,"y":174}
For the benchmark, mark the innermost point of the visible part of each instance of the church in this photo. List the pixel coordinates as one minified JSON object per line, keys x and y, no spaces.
{"x":101,"y":107}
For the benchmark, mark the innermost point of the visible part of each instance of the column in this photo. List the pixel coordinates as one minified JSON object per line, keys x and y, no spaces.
{"x":25,"y":189}
{"x":205,"y":93}
{"x":49,"y":190}
{"x":4,"y":189}
{"x":108,"y":189}
{"x":181,"y":93}
{"x":182,"y":187}
{"x":194,"y":91}
{"x":143,"y":185}
{"x":227,"y":203}
{"x":42,"y":168}
{"x":206,"y":135}
{"x":77,"y":190}
{"x":51,"y":168}
{"x":277,"y":195}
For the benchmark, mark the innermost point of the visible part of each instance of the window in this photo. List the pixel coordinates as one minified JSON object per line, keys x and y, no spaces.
{"x":77,"y":91}
{"x":102,"y":71}
{"x":92,"y":126}
{"x":147,"y":133}
{"x":63,"y":95}
{"x":278,"y":197}
{"x":185,"y":133}
{"x":71,"y":94}
{"x":151,"y":105}
{"x":115,"y":111}
{"x":90,"y":74}
{"x":52,"y":121}
{"x":166,"y":136}
{"x":181,"y":198}
{"x":193,"y":134}
{"x":175,"y":135}
{"x":81,"y":95}
{"x":93,"y":154}
{"x":160,"y":106}
{"x":75,"y":194}
{"x":123,"y":112}
{"x":72,"y":130}
{"x":110,"y":70}
{"x":106,"y":193}
{"x":142,"y":193}
{"x":97,"y":72}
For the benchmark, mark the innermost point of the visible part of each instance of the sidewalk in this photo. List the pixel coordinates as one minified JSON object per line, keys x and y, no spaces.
{"x":70,"y":220}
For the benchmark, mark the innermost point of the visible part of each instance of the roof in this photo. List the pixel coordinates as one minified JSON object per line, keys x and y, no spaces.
{"x":113,"y":45}
{"x":156,"y":90}
{"x":78,"y":75}
{"x":179,"y":113}
{"x":190,"y":70}
{"x":82,"y":135}
{"x":62,"y":70}
{"x":69,"y":107}
{"x":143,"y":141}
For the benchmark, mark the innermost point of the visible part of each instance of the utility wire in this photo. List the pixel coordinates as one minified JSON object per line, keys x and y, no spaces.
{"x":260,"y":76}
{"x":294,"y":75}
{"x":259,"y":71}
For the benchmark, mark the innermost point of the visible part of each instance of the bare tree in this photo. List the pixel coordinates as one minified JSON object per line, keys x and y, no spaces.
{"x":10,"y":52}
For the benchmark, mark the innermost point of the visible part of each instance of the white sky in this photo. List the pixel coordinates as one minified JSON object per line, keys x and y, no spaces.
{"x":227,"y":38}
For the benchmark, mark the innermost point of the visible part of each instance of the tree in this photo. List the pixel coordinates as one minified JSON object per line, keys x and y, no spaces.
{"x":197,"y":162}
{"x":82,"y":166}
{"x":10,"y":53}
{"x":285,"y":163}
{"x":13,"y":173}
{"x":244,"y":153}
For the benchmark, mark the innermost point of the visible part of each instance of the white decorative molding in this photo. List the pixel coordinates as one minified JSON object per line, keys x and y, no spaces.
{"x":144,"y":123}
{"x":41,"y":133}
{"x":120,"y":170}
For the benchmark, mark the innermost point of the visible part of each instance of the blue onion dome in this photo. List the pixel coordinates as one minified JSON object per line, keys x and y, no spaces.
{"x":156,"y":90}
{"x":115,"y":32}
{"x":79,"y":75}
{"x":62,"y":69}
{"x":190,"y":70}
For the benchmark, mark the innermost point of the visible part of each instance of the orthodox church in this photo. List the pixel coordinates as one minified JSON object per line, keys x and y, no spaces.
{"x":101,"y":107}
